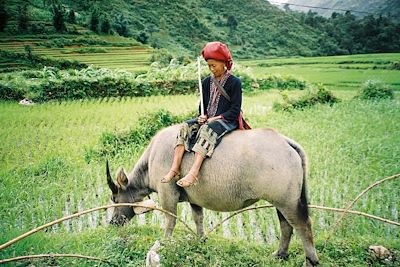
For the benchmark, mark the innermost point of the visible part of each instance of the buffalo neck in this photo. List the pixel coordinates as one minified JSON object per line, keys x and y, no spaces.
{"x":138,"y":178}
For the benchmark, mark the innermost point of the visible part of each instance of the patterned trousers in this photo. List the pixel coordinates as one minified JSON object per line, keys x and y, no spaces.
{"x":203,"y":138}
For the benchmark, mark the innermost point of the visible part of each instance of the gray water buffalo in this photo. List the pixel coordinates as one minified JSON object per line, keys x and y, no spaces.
{"x":247,"y":166}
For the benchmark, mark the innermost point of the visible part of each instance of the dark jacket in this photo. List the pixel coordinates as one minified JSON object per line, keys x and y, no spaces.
{"x":228,"y":110}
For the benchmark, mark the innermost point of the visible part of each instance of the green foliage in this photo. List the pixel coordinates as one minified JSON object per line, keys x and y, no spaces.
{"x":162,"y":56}
{"x":85,"y":50}
{"x":28,"y":51}
{"x":176,"y":78}
{"x":105,"y":24}
{"x":3,"y":15}
{"x":58,"y":17}
{"x":95,"y":20}
{"x":38,"y":28}
{"x":143,"y":37}
{"x":314,"y":96}
{"x":121,"y":25}
{"x":395,"y":65}
{"x":124,"y":144}
{"x":375,"y":90}
{"x":82,"y":41}
{"x":10,"y":92}
{"x":35,"y":61}
{"x":71,"y":18}
{"x":282,"y":82}
{"x":347,"y":34}
{"x":23,"y":17}
{"x":191,"y":251}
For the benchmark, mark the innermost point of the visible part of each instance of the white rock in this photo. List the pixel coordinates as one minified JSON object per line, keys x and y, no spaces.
{"x":26,"y":102}
{"x":379,"y":252}
{"x":152,"y":258}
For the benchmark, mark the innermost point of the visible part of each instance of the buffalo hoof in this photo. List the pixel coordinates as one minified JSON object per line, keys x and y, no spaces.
{"x":310,"y":263}
{"x":280,"y":255}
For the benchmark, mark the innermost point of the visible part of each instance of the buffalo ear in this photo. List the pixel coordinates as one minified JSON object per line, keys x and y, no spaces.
{"x":122,"y":179}
{"x":110,"y":182}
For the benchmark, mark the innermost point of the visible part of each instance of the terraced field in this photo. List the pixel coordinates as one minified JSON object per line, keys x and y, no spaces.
{"x":130,"y":57}
{"x":335,"y":72}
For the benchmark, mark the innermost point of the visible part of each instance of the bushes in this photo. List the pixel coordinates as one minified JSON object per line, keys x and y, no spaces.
{"x":36,"y":61}
{"x":125,"y":144}
{"x":395,"y":65}
{"x":318,"y":95}
{"x":282,"y":82}
{"x":54,"y":84}
{"x":10,"y":93}
{"x":83,"y":41}
{"x":375,"y":90}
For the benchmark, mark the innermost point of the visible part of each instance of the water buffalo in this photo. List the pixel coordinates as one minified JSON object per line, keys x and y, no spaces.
{"x":247,"y":166}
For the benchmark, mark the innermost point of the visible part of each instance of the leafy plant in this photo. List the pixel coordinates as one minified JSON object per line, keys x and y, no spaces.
{"x":318,"y":95}
{"x":123,"y":144}
{"x":375,"y":90}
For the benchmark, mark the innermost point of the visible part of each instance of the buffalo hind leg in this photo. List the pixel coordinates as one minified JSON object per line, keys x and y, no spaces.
{"x":197,"y":213}
{"x":286,"y":235}
{"x":308,"y":243}
{"x":301,"y":222}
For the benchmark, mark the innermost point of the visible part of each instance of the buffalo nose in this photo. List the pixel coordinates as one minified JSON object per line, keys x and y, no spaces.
{"x":118,"y":221}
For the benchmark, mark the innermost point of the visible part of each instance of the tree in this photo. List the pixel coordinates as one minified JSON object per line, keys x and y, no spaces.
{"x":121,"y":25}
{"x":163,"y":27}
{"x":143,"y":37}
{"x":3,"y":16}
{"x":58,"y":17}
{"x":23,"y":17}
{"x":28,"y":51}
{"x":231,"y":23}
{"x":105,"y":24}
{"x":95,"y":20}
{"x":152,"y":29}
{"x":71,"y":17}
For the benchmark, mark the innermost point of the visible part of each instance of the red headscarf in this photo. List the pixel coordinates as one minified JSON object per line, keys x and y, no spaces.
{"x":218,"y":51}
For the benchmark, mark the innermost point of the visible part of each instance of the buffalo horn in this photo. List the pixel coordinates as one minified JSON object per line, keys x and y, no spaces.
{"x":110,"y":182}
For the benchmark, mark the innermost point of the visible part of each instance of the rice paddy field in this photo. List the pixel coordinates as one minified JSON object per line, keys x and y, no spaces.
{"x":124,"y":54}
{"x":346,"y":72}
{"x":44,"y":174}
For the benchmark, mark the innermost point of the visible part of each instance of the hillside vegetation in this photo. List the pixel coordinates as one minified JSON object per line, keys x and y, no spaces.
{"x":390,"y":8}
{"x":252,"y":28}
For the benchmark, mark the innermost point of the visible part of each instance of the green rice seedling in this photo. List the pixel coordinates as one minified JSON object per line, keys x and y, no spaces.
{"x":350,"y":145}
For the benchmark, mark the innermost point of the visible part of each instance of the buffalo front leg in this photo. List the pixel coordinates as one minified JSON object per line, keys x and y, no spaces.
{"x":198,"y":217}
{"x":169,"y":203}
{"x":286,"y":235}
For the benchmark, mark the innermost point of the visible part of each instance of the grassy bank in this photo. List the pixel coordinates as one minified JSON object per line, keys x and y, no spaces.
{"x":128,"y":246}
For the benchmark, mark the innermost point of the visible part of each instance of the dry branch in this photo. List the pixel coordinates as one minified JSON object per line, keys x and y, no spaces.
{"x":336,"y":224}
{"x":28,"y":257}
{"x":344,"y":211}
{"x":356,"y":213}
{"x":85,"y":212}
{"x":310,"y":206}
